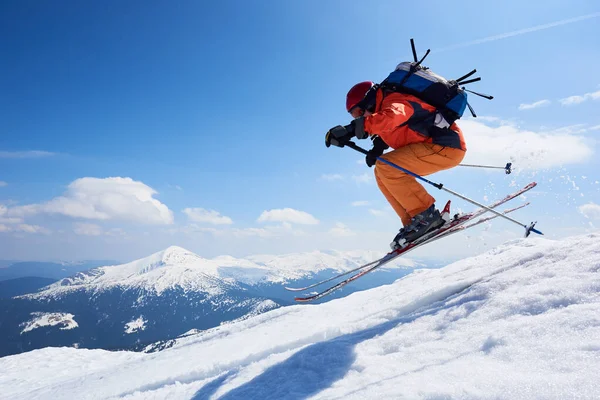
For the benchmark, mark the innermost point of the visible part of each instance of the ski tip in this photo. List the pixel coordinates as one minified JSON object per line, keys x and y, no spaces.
{"x":301,"y":300}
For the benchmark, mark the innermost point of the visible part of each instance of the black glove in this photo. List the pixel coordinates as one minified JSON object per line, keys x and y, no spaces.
{"x":340,"y":135}
{"x":379,"y":146}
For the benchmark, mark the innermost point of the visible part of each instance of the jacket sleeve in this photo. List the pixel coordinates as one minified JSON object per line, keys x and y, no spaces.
{"x":386,"y":120}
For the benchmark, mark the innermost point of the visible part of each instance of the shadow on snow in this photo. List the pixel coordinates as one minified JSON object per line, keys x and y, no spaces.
{"x":318,"y":366}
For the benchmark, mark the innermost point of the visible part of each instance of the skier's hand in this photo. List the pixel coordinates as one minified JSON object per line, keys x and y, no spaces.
{"x":379,"y":146}
{"x":339,"y":135}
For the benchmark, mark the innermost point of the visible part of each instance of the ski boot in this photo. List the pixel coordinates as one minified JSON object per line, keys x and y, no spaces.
{"x":421,"y":224}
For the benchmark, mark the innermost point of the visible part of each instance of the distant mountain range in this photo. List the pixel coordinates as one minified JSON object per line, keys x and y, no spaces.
{"x":163,"y":296}
{"x":52,"y":270}
{"x":6,"y":263}
{"x":19,"y":286}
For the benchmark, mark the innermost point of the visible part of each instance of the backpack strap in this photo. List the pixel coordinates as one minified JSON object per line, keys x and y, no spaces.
{"x":426,"y":124}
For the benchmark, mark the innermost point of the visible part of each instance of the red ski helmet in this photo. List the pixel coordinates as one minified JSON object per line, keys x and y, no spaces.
{"x":357,"y":93}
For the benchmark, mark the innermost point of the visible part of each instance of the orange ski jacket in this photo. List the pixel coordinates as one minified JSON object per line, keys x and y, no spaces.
{"x":392,"y":109}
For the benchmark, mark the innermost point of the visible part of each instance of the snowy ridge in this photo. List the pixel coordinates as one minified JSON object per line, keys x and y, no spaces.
{"x":176,"y":267}
{"x":518,"y":322}
{"x":257,"y":309}
{"x":64,"y":321}
{"x":283,"y":268}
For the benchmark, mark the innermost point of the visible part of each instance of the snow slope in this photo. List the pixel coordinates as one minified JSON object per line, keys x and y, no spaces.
{"x":519,"y":322}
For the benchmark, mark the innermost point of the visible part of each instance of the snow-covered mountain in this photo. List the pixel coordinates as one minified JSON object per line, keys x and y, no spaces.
{"x":176,"y":266}
{"x":160,"y":297}
{"x":519,"y":322}
{"x":173,"y":268}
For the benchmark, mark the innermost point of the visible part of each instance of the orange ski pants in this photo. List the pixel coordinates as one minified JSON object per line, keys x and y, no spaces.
{"x":405,"y":194}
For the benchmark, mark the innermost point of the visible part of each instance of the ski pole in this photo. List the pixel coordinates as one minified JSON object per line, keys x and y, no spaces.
{"x":528,"y":228}
{"x":507,"y":168}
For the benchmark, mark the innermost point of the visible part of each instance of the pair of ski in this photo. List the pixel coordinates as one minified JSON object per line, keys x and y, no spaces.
{"x":455,"y":225}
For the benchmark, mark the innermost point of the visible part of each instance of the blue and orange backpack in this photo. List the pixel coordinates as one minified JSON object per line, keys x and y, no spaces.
{"x":447,"y":96}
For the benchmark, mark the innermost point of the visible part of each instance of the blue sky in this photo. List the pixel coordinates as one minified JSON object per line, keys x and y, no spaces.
{"x":131,"y":126}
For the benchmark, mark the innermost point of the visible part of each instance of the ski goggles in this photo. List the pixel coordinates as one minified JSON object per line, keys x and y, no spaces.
{"x":356,"y":112}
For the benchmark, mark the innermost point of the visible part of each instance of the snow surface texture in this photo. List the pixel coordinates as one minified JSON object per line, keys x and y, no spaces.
{"x":519,"y":322}
{"x":138,"y":324}
{"x":63,"y":320}
{"x":177,"y":267}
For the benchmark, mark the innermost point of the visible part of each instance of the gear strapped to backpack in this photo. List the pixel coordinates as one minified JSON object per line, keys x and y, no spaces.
{"x":449,"y":99}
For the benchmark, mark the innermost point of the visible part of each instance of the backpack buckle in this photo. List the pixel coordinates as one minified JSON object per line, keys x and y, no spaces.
{"x":440,"y":121}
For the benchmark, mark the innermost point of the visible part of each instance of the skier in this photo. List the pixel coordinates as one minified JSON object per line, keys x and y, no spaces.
{"x":420,"y":144}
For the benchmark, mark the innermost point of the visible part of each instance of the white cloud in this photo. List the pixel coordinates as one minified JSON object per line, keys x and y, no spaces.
{"x":569,"y":130}
{"x":268,"y":232}
{"x":88,"y":229}
{"x":208,"y":216}
{"x":341,"y":230}
{"x":595,"y":128}
{"x":116,"y":232}
{"x":2,"y":183}
{"x":104,"y":199}
{"x":525,"y":149}
{"x":360,"y":203}
{"x":249,"y":232}
{"x":377,"y":213}
{"x":590,"y":210}
{"x":488,"y":118}
{"x":24,"y":228}
{"x":16,"y":224}
{"x":5,"y":219}
{"x":573,"y":100}
{"x":26,"y":154}
{"x":537,"y":104}
{"x":193,"y":228}
{"x":518,"y":32}
{"x":332,"y":177}
{"x":23,"y":211}
{"x":363,"y":178}
{"x":288,"y":215}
